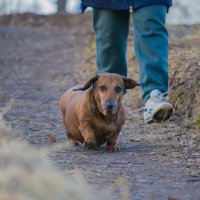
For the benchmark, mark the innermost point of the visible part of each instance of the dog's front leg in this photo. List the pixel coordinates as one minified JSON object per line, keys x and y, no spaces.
{"x":112,"y":144}
{"x":88,"y":135}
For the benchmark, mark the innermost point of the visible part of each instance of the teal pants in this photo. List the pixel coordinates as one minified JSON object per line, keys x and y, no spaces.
{"x":150,"y":42}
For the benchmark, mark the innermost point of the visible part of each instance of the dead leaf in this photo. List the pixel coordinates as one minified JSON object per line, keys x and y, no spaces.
{"x":195,"y":154}
{"x":152,"y":153}
{"x":169,"y":138}
{"x":194,"y":174}
{"x":52,"y":138}
{"x":135,"y":140}
{"x":172,"y":198}
{"x":176,"y":154}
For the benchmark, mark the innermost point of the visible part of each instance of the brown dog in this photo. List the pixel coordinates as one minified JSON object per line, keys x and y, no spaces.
{"x":94,"y":115}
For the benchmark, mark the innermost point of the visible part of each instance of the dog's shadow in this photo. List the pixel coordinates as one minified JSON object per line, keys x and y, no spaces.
{"x":136,"y":147}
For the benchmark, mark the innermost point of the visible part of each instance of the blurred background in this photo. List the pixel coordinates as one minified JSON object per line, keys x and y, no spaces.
{"x":182,"y":12}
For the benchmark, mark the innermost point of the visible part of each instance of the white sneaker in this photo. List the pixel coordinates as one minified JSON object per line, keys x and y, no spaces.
{"x":157,"y":108}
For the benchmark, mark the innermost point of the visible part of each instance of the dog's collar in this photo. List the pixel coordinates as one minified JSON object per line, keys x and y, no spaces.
{"x":109,"y":118}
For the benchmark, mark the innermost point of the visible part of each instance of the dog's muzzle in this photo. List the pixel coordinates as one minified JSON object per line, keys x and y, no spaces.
{"x":109,"y":105}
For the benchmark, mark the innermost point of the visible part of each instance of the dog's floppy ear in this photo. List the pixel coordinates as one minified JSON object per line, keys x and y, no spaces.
{"x":130,"y":83}
{"x":89,"y":83}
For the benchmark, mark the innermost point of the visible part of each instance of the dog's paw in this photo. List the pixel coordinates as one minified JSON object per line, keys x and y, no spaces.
{"x":113,"y":148}
{"x":90,"y":144}
{"x":72,"y":143}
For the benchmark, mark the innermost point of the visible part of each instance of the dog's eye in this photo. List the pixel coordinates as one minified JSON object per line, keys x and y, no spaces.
{"x":102,"y":88}
{"x":118,"y":89}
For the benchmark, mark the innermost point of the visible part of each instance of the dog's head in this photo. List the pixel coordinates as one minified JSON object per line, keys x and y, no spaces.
{"x":108,"y":90}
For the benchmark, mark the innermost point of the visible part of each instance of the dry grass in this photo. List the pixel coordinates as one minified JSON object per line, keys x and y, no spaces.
{"x":27,"y":174}
{"x":184,"y":83}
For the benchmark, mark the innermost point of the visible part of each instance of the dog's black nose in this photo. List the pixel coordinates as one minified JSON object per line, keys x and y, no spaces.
{"x":110,"y":106}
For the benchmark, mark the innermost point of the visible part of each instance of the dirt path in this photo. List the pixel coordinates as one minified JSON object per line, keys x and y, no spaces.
{"x":39,"y":59}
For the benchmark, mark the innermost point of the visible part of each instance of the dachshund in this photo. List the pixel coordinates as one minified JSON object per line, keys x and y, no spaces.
{"x":93,"y":113}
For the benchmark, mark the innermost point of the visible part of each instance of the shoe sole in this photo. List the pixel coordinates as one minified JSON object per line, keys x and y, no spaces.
{"x":161,"y":113}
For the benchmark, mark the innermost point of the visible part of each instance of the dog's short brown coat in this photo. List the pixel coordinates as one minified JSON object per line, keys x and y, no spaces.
{"x":85,"y":114}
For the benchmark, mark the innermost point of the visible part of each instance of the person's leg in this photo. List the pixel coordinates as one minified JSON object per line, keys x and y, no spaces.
{"x":111,"y":29}
{"x":151,"y":47}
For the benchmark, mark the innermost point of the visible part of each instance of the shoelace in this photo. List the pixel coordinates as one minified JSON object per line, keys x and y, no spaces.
{"x":161,"y":95}
{"x":164,"y":94}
